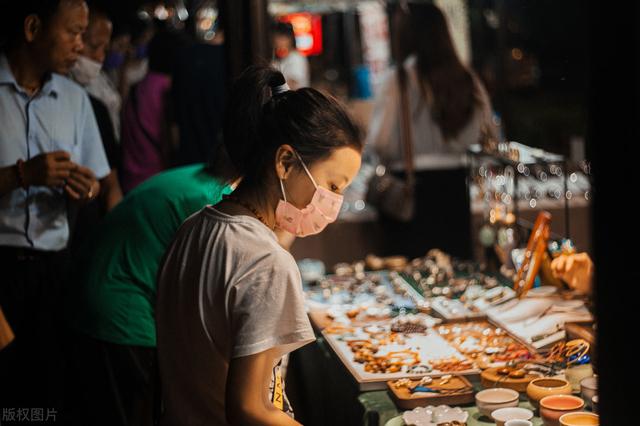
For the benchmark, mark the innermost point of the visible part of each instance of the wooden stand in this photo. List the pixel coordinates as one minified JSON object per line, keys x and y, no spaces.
{"x":408,"y":401}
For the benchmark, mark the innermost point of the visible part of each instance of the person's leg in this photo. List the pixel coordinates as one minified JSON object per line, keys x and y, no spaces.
{"x":144,"y":387}
{"x":113,"y":384}
{"x":94,"y":396}
{"x":32,"y":366}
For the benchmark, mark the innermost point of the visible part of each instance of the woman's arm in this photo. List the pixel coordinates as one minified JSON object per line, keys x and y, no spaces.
{"x":247,"y":401}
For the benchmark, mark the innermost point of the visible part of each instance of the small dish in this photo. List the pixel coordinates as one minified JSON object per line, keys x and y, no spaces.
{"x":432,"y":416}
{"x":581,"y":418}
{"x":588,"y":388}
{"x":575,"y":375}
{"x":490,"y":400}
{"x":552,"y":407}
{"x":502,"y":416}
{"x":518,"y":422}
{"x":539,"y":388}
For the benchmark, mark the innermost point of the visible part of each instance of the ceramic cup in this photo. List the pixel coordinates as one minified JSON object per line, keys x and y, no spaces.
{"x":489,"y":400}
{"x":588,"y":388}
{"x":581,"y":418}
{"x":502,"y":416}
{"x":575,"y":375}
{"x":552,"y":407}
{"x":518,"y":422}
{"x":594,"y":403}
{"x":539,"y":388}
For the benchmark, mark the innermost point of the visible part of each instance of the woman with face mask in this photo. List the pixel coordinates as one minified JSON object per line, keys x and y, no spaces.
{"x":230,"y":301}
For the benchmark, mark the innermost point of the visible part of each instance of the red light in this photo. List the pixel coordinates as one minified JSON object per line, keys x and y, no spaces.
{"x":307,"y":29}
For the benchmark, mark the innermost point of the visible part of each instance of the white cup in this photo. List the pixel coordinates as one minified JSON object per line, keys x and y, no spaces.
{"x":516,"y":422}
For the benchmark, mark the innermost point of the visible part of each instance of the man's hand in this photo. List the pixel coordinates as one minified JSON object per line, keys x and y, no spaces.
{"x":48,"y":169}
{"x":81,"y":184}
{"x":576,"y":270}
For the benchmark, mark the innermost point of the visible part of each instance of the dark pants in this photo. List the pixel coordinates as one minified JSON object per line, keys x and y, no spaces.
{"x":442,"y":219}
{"x":32,"y":366}
{"x":112,"y":385}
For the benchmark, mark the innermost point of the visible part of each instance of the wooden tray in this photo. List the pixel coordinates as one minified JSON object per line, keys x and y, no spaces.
{"x":408,"y":401}
{"x":490,"y":376}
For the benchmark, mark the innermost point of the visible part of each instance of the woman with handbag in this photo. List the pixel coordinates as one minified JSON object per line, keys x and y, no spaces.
{"x":428,"y":112}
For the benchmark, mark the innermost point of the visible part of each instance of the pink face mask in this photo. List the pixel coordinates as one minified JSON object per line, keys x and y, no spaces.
{"x":323,"y":209}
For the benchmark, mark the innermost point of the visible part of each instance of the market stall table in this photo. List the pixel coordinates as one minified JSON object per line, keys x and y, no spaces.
{"x":322,"y":392}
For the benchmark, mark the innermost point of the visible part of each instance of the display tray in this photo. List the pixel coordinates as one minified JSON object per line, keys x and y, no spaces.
{"x":430,"y":346}
{"x":479,"y":301}
{"x":454,"y":310}
{"x":371,"y":288}
{"x":359,"y":302}
{"x":539,"y":321}
{"x":485,"y":342}
{"x":457,"y":391}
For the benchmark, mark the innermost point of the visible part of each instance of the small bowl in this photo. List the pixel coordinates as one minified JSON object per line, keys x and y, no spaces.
{"x":489,"y":400}
{"x":594,"y":403}
{"x":539,"y":388}
{"x":552,"y":407}
{"x":518,"y":422}
{"x":575,"y":375}
{"x":588,"y":388}
{"x":504,"y":415}
{"x":582,"y":418}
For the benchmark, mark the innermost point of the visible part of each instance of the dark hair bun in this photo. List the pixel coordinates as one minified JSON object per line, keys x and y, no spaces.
{"x":257,"y":123}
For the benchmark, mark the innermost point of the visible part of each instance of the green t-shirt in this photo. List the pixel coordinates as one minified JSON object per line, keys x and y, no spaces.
{"x":114,"y":296}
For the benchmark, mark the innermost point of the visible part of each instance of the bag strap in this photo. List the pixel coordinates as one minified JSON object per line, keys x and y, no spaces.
{"x":406,"y":137}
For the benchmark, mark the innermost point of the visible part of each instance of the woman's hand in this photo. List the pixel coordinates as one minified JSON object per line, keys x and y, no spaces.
{"x":247,"y":400}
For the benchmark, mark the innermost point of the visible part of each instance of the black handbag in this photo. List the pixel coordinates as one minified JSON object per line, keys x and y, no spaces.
{"x":391,"y":195}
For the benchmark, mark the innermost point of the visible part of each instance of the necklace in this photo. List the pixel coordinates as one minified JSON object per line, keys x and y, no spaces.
{"x":248,"y":207}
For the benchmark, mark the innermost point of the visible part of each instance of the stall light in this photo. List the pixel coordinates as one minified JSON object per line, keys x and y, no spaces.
{"x":161,"y":12}
{"x":183,"y":14}
{"x":307,"y":29}
{"x":205,"y":24}
{"x":516,"y":54}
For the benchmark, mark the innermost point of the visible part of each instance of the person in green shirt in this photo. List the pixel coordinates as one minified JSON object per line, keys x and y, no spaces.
{"x":111,"y":302}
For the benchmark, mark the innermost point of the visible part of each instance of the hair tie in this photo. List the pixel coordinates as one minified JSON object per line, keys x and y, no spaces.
{"x":280,"y":89}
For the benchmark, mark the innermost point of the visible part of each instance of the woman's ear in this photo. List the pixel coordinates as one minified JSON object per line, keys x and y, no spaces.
{"x":32,"y":27}
{"x":285,"y":160}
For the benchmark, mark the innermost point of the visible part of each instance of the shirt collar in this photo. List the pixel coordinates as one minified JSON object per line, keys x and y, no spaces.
{"x":50,"y":86}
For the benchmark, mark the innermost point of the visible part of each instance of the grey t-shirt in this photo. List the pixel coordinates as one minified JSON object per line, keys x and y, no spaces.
{"x":226,"y":289}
